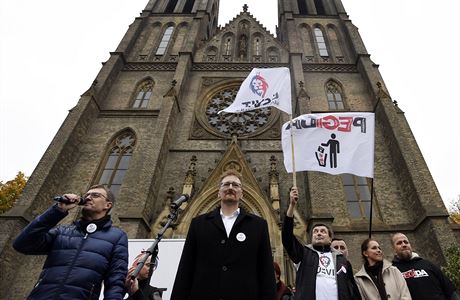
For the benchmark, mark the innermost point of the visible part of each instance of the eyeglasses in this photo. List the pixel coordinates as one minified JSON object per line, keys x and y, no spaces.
{"x":227,"y":185}
{"x":94,"y":195}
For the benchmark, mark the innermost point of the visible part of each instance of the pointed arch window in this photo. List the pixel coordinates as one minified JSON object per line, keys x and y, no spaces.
{"x":273,"y":54}
{"x":334,"y":96}
{"x":143,"y":94}
{"x":117,"y":162}
{"x":165,"y":41}
{"x":357,"y":195}
{"x":320,"y":42}
{"x":228,"y":46}
{"x":257,"y":46}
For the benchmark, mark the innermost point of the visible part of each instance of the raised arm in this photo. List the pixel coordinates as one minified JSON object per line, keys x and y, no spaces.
{"x":38,"y":237}
{"x":293,"y":247}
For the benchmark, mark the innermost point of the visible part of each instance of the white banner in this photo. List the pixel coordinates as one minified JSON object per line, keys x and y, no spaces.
{"x":263,"y":88}
{"x":333,"y":143}
{"x":170,"y":251}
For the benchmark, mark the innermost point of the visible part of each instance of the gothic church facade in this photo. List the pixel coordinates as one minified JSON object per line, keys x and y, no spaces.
{"x":148,"y":127}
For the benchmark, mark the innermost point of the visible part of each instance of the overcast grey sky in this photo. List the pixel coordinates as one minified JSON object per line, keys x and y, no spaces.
{"x":51,"y":51}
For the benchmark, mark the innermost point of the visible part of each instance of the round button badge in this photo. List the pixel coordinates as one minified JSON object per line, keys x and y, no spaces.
{"x":241,"y":237}
{"x":91,"y":228}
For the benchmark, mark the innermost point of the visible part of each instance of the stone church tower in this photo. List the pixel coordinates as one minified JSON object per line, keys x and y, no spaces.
{"x":147,"y":127}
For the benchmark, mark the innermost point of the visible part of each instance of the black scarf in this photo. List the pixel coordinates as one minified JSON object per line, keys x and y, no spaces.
{"x":375,"y":272}
{"x":83,"y":223}
{"x":322,"y":248}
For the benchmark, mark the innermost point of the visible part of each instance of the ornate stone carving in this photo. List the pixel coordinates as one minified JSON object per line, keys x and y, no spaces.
{"x":189,"y":181}
{"x":232,"y":165}
{"x":233,"y":66}
{"x":329,"y":68}
{"x":274,"y":184}
{"x":150,"y":67}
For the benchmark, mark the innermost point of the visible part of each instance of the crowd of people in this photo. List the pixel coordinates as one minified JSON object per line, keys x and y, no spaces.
{"x":227,"y":255}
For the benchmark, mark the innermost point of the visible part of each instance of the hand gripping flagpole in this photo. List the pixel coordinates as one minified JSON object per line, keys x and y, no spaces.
{"x":294,"y":179}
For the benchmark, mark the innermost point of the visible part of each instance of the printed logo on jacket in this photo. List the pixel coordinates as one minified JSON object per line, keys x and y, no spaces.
{"x":415,"y":274}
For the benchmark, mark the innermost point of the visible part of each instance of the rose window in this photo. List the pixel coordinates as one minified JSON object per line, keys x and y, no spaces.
{"x":244,"y":123}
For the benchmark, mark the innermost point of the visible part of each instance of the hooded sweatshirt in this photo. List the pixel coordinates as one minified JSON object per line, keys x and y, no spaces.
{"x":424,"y":279}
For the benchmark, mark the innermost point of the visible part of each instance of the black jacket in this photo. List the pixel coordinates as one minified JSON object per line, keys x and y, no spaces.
{"x":309,"y":260}
{"x":214,"y":267}
{"x":146,"y":292}
{"x":424,"y":279}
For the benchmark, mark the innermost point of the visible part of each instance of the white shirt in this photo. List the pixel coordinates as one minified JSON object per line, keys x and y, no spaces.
{"x":326,"y":283}
{"x":229,"y":220}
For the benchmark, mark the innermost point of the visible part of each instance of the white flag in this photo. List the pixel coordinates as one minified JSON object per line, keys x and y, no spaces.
{"x":263,"y":88}
{"x":333,"y":143}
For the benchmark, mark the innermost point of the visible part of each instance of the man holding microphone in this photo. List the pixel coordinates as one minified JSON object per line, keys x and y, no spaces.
{"x":82,"y":255}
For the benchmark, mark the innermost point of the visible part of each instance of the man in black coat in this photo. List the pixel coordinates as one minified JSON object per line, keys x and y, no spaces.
{"x":227,"y":253}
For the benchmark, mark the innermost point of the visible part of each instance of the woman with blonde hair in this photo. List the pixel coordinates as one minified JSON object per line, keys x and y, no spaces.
{"x":377,"y":278}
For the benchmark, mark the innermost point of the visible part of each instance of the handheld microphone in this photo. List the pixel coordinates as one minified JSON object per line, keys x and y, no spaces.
{"x":178,"y":202}
{"x":65,"y":200}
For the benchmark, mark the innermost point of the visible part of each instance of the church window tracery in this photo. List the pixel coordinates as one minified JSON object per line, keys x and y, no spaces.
{"x":334,"y":96}
{"x":117,"y":163}
{"x":227,"y":123}
{"x":228,"y":46}
{"x":165,"y":41}
{"x":257,"y":47}
{"x":320,"y":42}
{"x":357,"y":195}
{"x":143,"y":94}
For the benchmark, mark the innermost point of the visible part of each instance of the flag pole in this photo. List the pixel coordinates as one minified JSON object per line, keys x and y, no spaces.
{"x":294,"y":179}
{"x":370,"y":213}
{"x":379,"y":85}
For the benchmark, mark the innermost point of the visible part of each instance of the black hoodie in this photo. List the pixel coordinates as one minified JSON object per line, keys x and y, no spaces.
{"x":425,"y":280}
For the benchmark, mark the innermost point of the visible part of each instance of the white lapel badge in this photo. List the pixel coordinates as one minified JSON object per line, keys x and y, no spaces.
{"x":241,"y":237}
